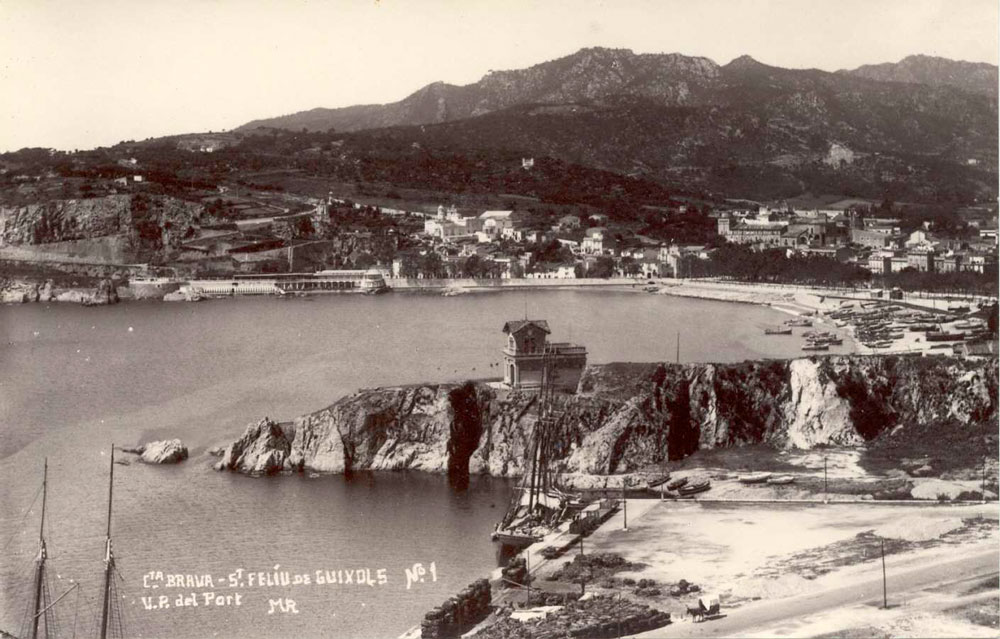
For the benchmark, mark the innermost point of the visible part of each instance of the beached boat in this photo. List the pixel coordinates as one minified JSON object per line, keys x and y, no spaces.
{"x":780,"y":480}
{"x":657,"y":481}
{"x":698,"y":486}
{"x":941,"y":336}
{"x":675,"y":484}
{"x":754,"y":478}
{"x":798,"y":322}
{"x":815,"y":346}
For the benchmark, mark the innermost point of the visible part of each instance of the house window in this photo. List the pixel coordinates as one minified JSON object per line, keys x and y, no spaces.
{"x":511,"y":343}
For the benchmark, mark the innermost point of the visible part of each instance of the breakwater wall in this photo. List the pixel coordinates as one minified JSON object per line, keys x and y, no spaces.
{"x":405,"y":284}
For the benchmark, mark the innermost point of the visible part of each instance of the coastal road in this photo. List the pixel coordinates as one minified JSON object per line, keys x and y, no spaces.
{"x":742,"y":620}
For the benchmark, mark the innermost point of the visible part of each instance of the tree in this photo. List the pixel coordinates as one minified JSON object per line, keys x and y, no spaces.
{"x":630,"y":266}
{"x":409,"y":265}
{"x":603,"y":266}
{"x":365,"y":260}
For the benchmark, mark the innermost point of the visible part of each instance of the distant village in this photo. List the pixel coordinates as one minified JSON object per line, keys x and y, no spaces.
{"x":246,"y":227}
{"x":453,"y":242}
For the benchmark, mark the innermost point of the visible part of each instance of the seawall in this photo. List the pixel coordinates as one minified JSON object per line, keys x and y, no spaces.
{"x":414,"y":284}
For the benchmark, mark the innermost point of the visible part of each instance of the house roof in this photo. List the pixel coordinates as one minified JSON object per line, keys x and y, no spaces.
{"x":496,"y":214}
{"x":513,"y":326}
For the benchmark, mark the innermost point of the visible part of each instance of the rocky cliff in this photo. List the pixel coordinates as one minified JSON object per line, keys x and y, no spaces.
{"x":626,"y":416}
{"x":146,"y":224}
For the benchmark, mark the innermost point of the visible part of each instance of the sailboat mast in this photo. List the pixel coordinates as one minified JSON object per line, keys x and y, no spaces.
{"x":678,"y":356}
{"x":108,"y":559}
{"x":40,"y":570}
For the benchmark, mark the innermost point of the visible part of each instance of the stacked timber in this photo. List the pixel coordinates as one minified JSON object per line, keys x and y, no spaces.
{"x":458,"y":613}
{"x":515,"y":573}
{"x":597,"y":618}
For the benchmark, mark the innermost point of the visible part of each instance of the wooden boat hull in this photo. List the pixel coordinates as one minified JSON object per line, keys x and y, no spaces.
{"x":693,"y":489}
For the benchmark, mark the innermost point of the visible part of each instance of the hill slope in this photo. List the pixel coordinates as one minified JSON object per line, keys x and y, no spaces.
{"x":687,"y":121}
{"x":974,"y":77}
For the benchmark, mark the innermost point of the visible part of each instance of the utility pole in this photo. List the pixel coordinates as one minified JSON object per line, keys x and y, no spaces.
{"x":624,"y":507}
{"x":885,"y":598}
{"x":983,"y":491}
{"x":826,"y":490}
{"x":678,"y":356}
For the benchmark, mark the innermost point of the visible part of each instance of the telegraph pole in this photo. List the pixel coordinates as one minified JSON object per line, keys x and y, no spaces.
{"x":885,"y":598}
{"x":624,"y":507}
{"x":983,"y":491}
{"x":826,"y":490}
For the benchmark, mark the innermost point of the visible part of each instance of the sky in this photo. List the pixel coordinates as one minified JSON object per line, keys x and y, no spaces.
{"x":80,"y":74}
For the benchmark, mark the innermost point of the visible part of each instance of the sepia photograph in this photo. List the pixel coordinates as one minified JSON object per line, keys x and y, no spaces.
{"x":534,"y":319}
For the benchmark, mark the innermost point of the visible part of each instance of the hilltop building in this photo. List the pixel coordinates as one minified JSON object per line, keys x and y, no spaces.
{"x":528,"y":352}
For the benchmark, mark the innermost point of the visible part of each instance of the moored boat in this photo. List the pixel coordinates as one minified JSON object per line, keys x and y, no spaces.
{"x":754,"y":478}
{"x":778,"y":331}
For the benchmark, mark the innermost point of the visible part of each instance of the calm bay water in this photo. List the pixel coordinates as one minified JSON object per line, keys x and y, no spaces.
{"x":75,"y":379}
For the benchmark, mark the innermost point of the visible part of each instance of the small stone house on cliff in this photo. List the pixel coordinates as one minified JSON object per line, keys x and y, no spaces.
{"x":528,"y":355}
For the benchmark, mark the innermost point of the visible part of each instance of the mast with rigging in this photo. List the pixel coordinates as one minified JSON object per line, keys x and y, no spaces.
{"x":107,"y":595}
{"x":37,"y":608}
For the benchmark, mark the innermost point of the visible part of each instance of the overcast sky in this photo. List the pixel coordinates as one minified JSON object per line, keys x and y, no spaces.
{"x":79,"y":74}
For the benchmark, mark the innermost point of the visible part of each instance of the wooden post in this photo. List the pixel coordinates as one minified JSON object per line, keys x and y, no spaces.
{"x":826,"y":490}
{"x":983,"y":493}
{"x":885,"y":598}
{"x":624,"y":507}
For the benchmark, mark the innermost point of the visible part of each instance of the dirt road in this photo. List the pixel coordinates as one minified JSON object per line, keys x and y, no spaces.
{"x":743,"y":620}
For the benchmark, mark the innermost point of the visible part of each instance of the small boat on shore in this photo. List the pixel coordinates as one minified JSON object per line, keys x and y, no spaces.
{"x":780,"y":480}
{"x":754,"y":478}
{"x":815,"y":346}
{"x":677,"y":483}
{"x":698,"y":486}
{"x":941,"y":336}
{"x":658,"y":481}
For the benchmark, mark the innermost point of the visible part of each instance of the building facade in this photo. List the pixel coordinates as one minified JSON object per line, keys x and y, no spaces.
{"x":528,"y":356}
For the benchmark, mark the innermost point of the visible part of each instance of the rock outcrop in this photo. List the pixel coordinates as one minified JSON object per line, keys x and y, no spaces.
{"x":170,"y":451}
{"x":626,"y":416}
{"x":262,"y":450}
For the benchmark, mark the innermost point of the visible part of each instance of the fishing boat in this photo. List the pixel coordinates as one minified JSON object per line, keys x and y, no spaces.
{"x":538,"y":505}
{"x":677,"y":483}
{"x":780,"y":480}
{"x":659,"y":480}
{"x":754,"y":478}
{"x":815,"y":346}
{"x":698,"y":486}
{"x":798,"y":322}
{"x":778,"y":331}
{"x":942,"y":336}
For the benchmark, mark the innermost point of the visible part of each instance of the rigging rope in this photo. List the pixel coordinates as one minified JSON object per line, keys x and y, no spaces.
{"x":25,"y":516}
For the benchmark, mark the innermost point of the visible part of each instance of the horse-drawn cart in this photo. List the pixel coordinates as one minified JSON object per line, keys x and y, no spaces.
{"x":707,"y":608}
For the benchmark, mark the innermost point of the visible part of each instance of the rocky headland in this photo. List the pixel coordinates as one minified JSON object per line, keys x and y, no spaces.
{"x":104,"y":292}
{"x":625,"y":417}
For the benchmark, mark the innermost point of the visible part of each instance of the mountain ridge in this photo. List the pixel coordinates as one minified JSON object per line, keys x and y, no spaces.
{"x":595,"y":73}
